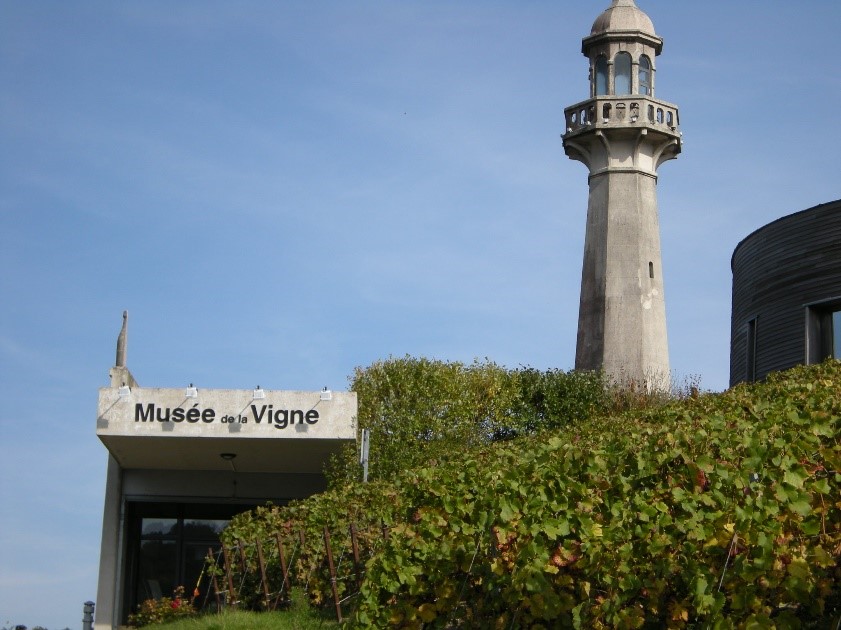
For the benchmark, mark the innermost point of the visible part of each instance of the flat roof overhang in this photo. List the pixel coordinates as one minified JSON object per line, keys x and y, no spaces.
{"x":199,"y":453}
{"x":162,"y":429}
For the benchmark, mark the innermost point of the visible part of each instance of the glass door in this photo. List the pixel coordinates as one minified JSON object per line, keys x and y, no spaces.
{"x":167,"y":547}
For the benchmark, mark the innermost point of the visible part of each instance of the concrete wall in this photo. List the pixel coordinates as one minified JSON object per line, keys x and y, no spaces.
{"x":110,"y":554}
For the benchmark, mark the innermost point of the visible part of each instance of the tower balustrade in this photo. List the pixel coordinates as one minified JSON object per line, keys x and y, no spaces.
{"x":613,"y":111}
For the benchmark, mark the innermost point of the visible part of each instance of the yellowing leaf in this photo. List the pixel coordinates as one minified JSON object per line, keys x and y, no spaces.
{"x":798,"y":568}
{"x":427,"y":612}
{"x":679,"y":613}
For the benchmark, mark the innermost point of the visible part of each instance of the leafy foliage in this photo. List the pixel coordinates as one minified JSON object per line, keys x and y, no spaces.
{"x":721,"y":509}
{"x":371,"y":508}
{"x":422,"y":412}
{"x":155,"y":611}
{"x":716,"y":511}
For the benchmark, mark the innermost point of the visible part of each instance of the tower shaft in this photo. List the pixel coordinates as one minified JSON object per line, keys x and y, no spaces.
{"x":622,"y":311}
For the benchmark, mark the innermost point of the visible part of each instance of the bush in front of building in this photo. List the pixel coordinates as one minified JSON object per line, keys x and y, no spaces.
{"x":422,"y":412}
{"x":153,"y":611}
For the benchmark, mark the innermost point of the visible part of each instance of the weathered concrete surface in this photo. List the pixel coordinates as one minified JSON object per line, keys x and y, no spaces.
{"x":622,"y":312}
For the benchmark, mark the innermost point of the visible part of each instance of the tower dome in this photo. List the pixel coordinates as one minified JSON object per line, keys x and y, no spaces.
{"x":623,"y":15}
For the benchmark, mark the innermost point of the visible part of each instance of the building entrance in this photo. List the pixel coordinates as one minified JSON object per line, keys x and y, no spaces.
{"x":167,"y":545}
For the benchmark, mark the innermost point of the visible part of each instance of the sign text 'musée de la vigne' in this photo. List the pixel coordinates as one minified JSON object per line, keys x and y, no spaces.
{"x":279,"y":418}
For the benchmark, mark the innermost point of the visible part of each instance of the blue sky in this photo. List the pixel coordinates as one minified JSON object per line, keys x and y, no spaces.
{"x":281,"y":191}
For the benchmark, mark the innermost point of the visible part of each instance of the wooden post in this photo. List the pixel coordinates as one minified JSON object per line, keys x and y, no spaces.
{"x":263,"y":576}
{"x":232,"y":596}
{"x":357,"y":564}
{"x":285,"y":589}
{"x":242,"y":564}
{"x":213,"y":582}
{"x":333,"y":584}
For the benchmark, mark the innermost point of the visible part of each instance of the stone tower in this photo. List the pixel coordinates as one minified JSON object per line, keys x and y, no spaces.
{"x":622,"y":133}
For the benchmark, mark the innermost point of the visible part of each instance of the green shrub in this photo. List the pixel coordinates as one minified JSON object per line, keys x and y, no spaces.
{"x":154,"y":611}
{"x":553,"y":399}
{"x":423,"y":412}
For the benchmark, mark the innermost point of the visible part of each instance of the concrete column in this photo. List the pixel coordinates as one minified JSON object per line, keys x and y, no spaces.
{"x":108,"y":599}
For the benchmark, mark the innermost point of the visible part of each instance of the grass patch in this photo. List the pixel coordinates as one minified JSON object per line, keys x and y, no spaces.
{"x":244,"y":620}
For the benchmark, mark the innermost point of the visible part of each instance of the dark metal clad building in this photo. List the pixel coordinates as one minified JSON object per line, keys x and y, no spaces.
{"x":787,"y":294}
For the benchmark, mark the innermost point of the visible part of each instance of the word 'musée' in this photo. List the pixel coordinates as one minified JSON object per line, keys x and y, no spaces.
{"x":280,"y":418}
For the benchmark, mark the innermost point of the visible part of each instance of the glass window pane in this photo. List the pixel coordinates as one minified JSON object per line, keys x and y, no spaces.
{"x":750,"y":359}
{"x":157,"y":569}
{"x":836,"y":335}
{"x":601,"y":76}
{"x":159,"y":527}
{"x":645,"y":76}
{"x":622,"y":70}
{"x":203,"y":529}
{"x":195,"y":577}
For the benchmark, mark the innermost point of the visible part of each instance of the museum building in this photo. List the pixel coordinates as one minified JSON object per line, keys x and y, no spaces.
{"x":786,"y":307}
{"x":183,"y":461}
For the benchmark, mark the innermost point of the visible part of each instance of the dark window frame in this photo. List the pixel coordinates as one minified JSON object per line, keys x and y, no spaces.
{"x":623,"y":65}
{"x":601,"y":73}
{"x":750,"y":348}
{"x":644,"y":87}
{"x":822,"y":340}
{"x":181,"y":511}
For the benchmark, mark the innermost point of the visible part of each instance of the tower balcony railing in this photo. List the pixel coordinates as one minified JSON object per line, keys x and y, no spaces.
{"x":621,"y":111}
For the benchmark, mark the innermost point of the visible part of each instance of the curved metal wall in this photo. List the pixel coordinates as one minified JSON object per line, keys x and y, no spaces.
{"x":778,"y":271}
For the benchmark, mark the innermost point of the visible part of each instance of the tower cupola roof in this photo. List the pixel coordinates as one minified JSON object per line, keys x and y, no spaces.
{"x":623,"y":20}
{"x":623,"y":15}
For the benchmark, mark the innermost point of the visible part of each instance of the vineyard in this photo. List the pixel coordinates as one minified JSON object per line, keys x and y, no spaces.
{"x":720,"y":511}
